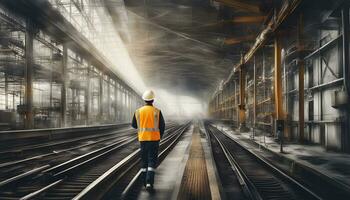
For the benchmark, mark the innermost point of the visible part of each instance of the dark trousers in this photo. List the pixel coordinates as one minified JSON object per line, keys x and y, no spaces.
{"x":149,"y":156}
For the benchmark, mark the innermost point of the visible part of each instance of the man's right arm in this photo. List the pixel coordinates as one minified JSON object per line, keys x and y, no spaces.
{"x":161,"y":124}
{"x":134,"y":122}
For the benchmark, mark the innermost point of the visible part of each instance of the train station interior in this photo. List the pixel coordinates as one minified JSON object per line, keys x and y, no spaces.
{"x":254,"y":95}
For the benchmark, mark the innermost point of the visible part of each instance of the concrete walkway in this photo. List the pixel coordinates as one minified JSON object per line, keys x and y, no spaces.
{"x":195,"y":181}
{"x":190,"y":161}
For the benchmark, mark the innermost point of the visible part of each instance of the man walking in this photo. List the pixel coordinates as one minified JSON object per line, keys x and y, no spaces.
{"x":150,"y":124}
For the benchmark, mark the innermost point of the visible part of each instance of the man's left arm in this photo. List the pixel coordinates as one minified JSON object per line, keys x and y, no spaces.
{"x":161,"y":124}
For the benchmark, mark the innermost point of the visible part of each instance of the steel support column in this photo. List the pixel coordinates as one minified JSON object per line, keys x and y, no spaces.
{"x":128,"y":106}
{"x":242,"y":117}
{"x":254,"y":98}
{"x":301,"y":79}
{"x":121,"y":105}
{"x":73,"y":107}
{"x":77,"y":95}
{"x":13,"y":102}
{"x":346,"y":73}
{"x":109,"y":98}
{"x":29,"y":70}
{"x":51,"y":100}
{"x":122,"y":99}
{"x":64,"y":86}
{"x":6,"y":92}
{"x":116,"y":100}
{"x":88,"y":95}
{"x":279,"y":114}
{"x":100,"y":98}
{"x":236,"y":103}
{"x":125,"y":105}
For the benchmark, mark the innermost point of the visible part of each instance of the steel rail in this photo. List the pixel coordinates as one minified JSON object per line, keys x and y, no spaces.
{"x":49,"y":133}
{"x":47,"y":168}
{"x":103,"y":184}
{"x":265,"y":163}
{"x":79,"y":161}
{"x":248,"y":187}
{"x":60,"y":172}
{"x":56,"y":152}
{"x":73,"y":165}
{"x":44,"y":145}
{"x":59,"y":143}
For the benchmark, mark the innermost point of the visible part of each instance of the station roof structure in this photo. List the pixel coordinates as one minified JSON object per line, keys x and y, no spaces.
{"x":189,"y":46}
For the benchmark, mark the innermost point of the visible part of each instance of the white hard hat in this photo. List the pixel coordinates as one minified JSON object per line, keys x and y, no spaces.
{"x":148,"y":95}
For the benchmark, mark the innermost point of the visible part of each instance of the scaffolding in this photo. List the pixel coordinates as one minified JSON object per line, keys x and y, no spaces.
{"x":49,"y":80}
{"x":295,"y":72}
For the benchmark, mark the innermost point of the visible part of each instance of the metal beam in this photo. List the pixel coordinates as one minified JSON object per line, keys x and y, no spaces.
{"x":116,"y":101}
{"x":242,"y":109}
{"x":125,"y":104}
{"x":51,"y":100}
{"x":346,"y":48}
{"x":248,"y":19}
{"x":88,"y":95}
{"x":301,"y":79}
{"x":236,"y":102}
{"x":73,"y":107}
{"x":346,"y":72}
{"x":272,"y":26}
{"x":129,"y":103}
{"x":254,"y":100}
{"x":109,"y":98}
{"x":238,"y":20}
{"x":242,"y":96}
{"x":238,"y":40}
{"x":241,"y":5}
{"x":64,"y":86}
{"x":6,"y":92}
{"x":279,"y":114}
{"x":29,"y":37}
{"x":100,"y":98}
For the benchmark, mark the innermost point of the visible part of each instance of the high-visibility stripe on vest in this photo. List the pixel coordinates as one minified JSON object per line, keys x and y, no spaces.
{"x":147,"y":118}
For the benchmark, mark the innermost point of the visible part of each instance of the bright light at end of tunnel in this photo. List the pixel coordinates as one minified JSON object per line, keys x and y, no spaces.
{"x":171,"y":101}
{"x":179,"y":106}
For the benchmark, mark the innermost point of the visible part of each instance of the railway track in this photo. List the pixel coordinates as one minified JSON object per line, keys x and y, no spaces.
{"x":19,"y":142}
{"x":258,"y":178}
{"x":15,"y":171}
{"x":18,"y":152}
{"x":123,"y":180}
{"x":130,"y":185}
{"x":22,"y":184}
{"x":71,"y":176}
{"x":23,"y":151}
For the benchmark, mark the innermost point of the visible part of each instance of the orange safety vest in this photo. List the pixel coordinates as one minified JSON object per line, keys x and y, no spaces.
{"x":147,"y":118}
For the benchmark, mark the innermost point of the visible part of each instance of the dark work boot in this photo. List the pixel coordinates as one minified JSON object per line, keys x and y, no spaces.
{"x":149,"y":187}
{"x":150,"y":177}
{"x":143,"y":178}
